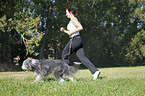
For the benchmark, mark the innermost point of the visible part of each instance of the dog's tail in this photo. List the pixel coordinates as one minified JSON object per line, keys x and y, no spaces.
{"x":75,"y":67}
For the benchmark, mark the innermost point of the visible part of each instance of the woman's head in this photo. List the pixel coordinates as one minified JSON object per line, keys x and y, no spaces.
{"x":70,"y":11}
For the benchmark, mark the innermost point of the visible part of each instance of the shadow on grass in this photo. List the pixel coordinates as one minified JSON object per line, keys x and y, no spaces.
{"x":47,"y":80}
{"x":86,"y":79}
{"x":80,"y":79}
{"x":102,"y":77}
{"x":50,"y":79}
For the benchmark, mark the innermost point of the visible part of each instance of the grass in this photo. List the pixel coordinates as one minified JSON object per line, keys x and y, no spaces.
{"x":124,"y":81}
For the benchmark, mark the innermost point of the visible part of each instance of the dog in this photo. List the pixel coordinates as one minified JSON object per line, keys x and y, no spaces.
{"x":43,"y":67}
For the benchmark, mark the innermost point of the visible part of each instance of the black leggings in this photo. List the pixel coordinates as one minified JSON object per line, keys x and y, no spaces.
{"x":76,"y":45}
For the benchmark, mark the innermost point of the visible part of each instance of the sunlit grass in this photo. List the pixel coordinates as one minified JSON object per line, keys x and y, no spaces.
{"x":124,"y":81}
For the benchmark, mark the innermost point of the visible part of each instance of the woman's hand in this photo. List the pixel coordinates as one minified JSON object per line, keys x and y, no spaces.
{"x":65,"y":31}
{"x":62,"y":29}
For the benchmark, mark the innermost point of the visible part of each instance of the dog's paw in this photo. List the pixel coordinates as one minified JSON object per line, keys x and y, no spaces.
{"x":41,"y":81}
{"x":61,"y":81}
{"x":37,"y":81}
{"x":74,"y":80}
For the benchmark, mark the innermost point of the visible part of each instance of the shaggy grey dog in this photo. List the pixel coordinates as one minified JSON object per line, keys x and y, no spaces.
{"x":42,"y":68}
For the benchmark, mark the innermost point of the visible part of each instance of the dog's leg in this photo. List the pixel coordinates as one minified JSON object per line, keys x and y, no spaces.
{"x":39,"y":78}
{"x":57,"y":76}
{"x":35,"y":74}
{"x":61,"y":80}
{"x":70,"y":77}
{"x":68,"y":74}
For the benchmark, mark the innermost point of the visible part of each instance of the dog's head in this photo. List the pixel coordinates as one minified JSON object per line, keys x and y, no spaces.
{"x":28,"y":64}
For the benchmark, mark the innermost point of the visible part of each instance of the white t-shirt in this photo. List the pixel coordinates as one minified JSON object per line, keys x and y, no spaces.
{"x":72,"y":27}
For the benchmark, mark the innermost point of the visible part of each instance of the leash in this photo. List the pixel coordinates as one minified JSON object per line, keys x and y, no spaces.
{"x":70,"y":46}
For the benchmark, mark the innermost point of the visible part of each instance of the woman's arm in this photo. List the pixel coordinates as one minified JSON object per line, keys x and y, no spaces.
{"x":77,"y":24}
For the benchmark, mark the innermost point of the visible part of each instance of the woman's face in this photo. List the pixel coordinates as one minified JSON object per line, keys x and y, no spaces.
{"x":67,"y":13}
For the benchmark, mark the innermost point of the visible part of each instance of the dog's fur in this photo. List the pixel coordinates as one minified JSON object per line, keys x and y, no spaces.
{"x":42,"y":68}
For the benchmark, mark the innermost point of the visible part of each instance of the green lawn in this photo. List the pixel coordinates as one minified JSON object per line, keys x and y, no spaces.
{"x":123,"y":81}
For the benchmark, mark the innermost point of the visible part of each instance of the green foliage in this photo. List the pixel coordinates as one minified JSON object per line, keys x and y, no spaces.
{"x":136,"y":46}
{"x":26,"y":25}
{"x":113,"y":82}
{"x":113,"y":30}
{"x":3,"y":23}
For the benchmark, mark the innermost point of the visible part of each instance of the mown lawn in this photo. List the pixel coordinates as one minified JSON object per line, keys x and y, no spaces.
{"x":123,"y":81}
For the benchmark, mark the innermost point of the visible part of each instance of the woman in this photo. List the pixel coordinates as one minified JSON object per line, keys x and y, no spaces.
{"x":76,"y":43}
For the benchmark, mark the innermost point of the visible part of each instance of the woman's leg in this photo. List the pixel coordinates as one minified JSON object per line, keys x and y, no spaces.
{"x":66,"y":53}
{"x":85,"y":60}
{"x":77,"y":47}
{"x":72,"y":45}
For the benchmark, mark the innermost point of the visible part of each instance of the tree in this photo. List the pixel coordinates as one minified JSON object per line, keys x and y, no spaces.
{"x":113,"y":30}
{"x":24,"y":24}
{"x":136,"y":46}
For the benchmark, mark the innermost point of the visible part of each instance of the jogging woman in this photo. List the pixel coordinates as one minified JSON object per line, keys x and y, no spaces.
{"x":76,"y":43}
